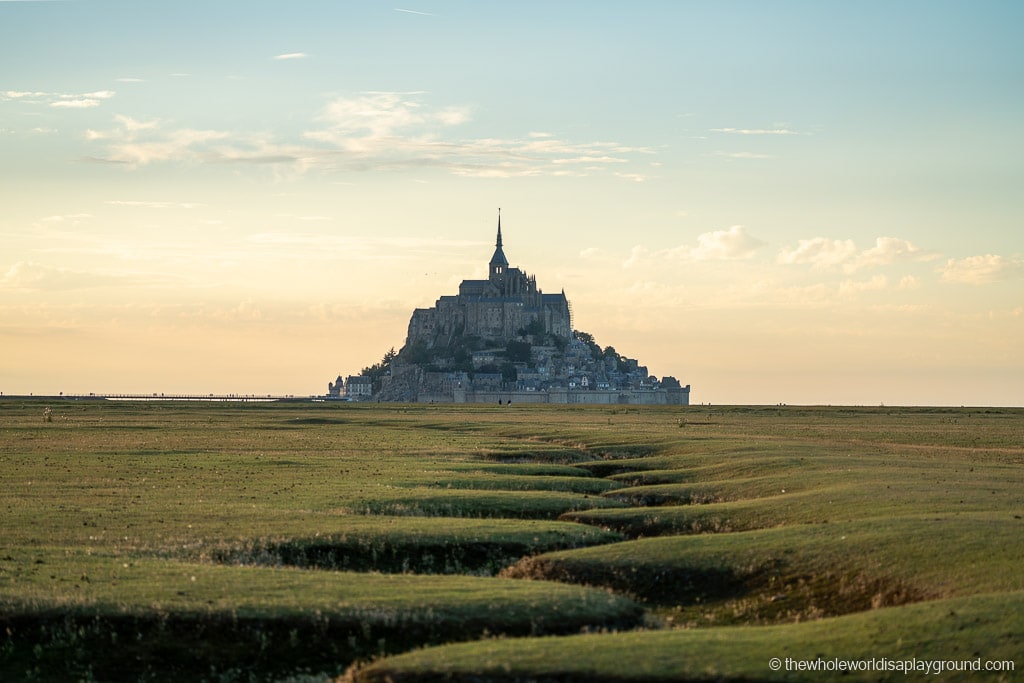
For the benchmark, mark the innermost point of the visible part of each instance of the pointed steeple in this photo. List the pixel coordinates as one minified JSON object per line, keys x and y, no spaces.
{"x":498,"y":264}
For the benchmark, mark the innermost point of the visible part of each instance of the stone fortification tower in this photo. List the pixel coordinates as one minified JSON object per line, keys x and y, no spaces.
{"x":503,"y":307}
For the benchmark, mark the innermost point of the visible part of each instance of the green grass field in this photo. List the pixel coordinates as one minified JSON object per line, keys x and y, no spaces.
{"x":171,"y":541}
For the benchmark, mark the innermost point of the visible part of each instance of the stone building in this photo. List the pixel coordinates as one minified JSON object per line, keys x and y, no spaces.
{"x":504,"y":306}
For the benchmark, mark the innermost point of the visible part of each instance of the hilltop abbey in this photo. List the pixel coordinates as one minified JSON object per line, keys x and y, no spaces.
{"x":504,"y":340}
{"x":496,"y":308}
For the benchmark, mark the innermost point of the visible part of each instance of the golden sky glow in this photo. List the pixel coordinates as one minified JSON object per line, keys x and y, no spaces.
{"x":774,"y":202}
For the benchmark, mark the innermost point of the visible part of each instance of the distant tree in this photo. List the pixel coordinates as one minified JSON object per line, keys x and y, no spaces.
{"x":588,"y":339}
{"x":417,"y":353}
{"x":536,"y":328}
{"x":461,"y":356}
{"x":518,"y":351}
{"x":508,"y":372}
{"x":584,"y":337}
{"x":378,"y":371}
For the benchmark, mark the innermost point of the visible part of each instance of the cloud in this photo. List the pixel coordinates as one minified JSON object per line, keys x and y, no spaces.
{"x":412,"y":11}
{"x":152,"y":205}
{"x":891,"y":249}
{"x":980,"y":270}
{"x":755,"y":131}
{"x":874,"y":284}
{"x":175,"y":145}
{"x":59,"y":100}
{"x":31,"y":276}
{"x":819,"y":252}
{"x":731,"y":244}
{"x":725,"y":245}
{"x":74,"y":218}
{"x":822,"y":253}
{"x":138,"y":143}
{"x":371,"y":131}
{"x":909,"y":282}
{"x":308,"y":247}
{"x":133,"y":125}
{"x":399,"y":130}
{"x":291,"y":55}
{"x":76,"y":104}
{"x":743,"y":155}
{"x":381,"y":114}
{"x":23,"y":95}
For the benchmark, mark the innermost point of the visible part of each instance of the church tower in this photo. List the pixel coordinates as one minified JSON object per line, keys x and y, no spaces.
{"x":498,"y":264}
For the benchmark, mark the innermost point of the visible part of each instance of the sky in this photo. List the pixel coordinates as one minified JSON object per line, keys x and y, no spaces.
{"x":775,"y":202}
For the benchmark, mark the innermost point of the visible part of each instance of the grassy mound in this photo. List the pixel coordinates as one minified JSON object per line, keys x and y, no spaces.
{"x":701,"y":488}
{"x":70,"y":615}
{"x":982,"y":632}
{"x":799,"y":572}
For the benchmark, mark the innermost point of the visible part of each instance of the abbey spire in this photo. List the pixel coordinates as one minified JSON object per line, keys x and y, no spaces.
{"x":498,"y":264}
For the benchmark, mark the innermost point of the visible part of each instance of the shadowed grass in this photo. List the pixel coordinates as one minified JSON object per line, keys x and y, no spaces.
{"x":69,"y":615}
{"x":427,"y":545}
{"x":424,"y":501}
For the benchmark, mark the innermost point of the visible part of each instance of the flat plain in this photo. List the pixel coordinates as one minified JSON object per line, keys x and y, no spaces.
{"x":381,"y":542}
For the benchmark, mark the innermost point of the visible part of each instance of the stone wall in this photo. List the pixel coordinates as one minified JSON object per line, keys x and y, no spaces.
{"x":679,"y":397}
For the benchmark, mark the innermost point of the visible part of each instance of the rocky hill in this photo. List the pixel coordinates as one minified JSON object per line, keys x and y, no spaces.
{"x":503,"y":339}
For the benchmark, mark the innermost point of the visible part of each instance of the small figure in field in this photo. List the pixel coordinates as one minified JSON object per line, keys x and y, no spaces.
{"x":47,"y":414}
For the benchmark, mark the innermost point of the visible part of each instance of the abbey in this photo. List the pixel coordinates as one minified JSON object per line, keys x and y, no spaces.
{"x":503,"y":306}
{"x":503,"y":340}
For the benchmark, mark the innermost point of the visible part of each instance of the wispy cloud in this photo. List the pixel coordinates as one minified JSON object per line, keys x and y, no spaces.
{"x":73,"y":218}
{"x":371,"y":131}
{"x":875,"y":283}
{"x":136,"y":143}
{"x":76,"y":104}
{"x":742,"y":155}
{"x":32,"y":276}
{"x":59,"y":100}
{"x":412,"y":11}
{"x":819,"y":252}
{"x":152,"y":204}
{"x":980,"y":270}
{"x":310,"y":246}
{"x":732,"y":244}
{"x":381,"y":114}
{"x":291,"y":55}
{"x":755,"y":131}
{"x":822,"y":253}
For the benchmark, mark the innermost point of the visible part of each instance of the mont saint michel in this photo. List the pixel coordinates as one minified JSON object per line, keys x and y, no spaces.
{"x":503,"y":340}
